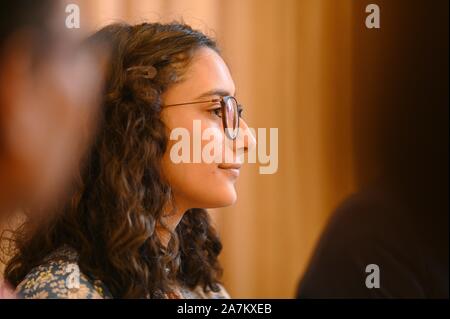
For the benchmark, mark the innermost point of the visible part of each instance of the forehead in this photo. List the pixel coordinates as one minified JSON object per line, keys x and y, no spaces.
{"x":206,"y":72}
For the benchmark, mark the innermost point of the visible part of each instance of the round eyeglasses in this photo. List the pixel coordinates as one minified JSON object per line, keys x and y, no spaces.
{"x":231,"y":112}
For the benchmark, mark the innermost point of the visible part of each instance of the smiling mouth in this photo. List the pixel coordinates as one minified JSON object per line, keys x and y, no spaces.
{"x":230,"y":166}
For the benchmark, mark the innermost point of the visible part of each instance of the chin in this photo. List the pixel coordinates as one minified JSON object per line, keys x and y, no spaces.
{"x":228,"y":198}
{"x":223,"y":199}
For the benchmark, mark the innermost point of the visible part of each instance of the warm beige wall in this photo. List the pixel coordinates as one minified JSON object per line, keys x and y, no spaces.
{"x":290,"y":60}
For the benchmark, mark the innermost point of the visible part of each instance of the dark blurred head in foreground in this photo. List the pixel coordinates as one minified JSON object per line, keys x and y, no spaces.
{"x":48,"y":102}
{"x":398,"y":221}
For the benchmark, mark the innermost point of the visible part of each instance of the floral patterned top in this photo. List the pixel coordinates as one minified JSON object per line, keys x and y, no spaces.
{"x":59,"y":277}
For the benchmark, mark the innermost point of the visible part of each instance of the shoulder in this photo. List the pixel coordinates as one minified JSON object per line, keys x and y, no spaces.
{"x":366,"y":213}
{"x":368,"y":228}
{"x":221,"y":294}
{"x":59,"y":277}
{"x":199,"y":293}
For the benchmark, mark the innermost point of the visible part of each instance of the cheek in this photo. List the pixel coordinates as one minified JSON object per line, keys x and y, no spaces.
{"x":40,"y":153}
{"x":199,"y":185}
{"x":63,"y":131}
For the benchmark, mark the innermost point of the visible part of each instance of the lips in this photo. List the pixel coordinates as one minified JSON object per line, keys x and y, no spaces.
{"x":231,"y":168}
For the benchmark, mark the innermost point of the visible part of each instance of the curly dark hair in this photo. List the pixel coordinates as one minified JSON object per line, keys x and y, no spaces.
{"x":120,"y":195}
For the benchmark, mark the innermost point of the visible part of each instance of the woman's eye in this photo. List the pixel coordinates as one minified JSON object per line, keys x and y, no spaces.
{"x":216,"y":111}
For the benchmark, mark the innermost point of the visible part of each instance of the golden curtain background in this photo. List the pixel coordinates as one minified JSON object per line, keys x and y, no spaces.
{"x":291,"y":62}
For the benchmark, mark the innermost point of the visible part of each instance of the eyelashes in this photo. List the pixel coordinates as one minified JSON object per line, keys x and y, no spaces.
{"x":218,"y":111}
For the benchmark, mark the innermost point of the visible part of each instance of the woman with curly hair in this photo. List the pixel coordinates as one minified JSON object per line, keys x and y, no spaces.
{"x":136,"y":226}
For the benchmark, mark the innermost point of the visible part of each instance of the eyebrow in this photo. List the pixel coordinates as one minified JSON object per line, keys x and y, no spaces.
{"x":218,"y":92}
